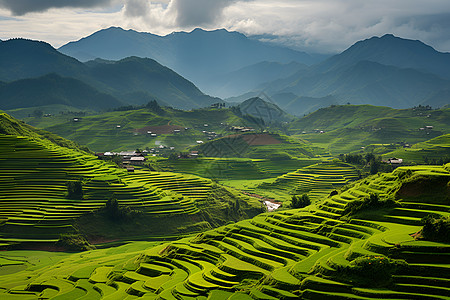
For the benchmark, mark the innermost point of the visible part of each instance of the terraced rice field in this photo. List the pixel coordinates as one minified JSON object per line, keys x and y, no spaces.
{"x":316,"y":180}
{"x":33,"y":177}
{"x":282,"y":255}
{"x":235,"y":168}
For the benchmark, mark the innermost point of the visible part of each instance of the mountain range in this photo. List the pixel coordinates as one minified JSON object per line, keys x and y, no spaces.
{"x":199,"y":55}
{"x":132,"y":80}
{"x":386,"y":71}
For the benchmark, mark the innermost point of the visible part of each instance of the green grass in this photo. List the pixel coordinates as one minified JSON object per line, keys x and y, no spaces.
{"x":347,"y":128}
{"x":432,"y":150}
{"x":278,"y":147}
{"x":223,"y":169}
{"x":100,"y":132}
{"x":34,"y":206}
{"x":309,"y":252}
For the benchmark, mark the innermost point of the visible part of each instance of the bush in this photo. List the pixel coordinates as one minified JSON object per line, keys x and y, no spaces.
{"x":300,"y":201}
{"x":436,"y":228}
{"x":115,"y":212}
{"x":372,"y":271}
{"x":74,"y":189}
{"x":74,"y":242}
{"x":279,"y":156}
{"x":371,"y":202}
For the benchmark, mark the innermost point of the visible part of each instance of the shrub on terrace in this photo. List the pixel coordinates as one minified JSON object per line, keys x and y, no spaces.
{"x":300,"y":201}
{"x":74,"y":242}
{"x":373,"y":271}
{"x":436,"y":228}
{"x":74,"y":189}
{"x":116,"y":212}
{"x":371,"y":202}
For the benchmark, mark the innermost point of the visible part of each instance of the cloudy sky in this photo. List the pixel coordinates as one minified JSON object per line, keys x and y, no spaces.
{"x":325,"y":26}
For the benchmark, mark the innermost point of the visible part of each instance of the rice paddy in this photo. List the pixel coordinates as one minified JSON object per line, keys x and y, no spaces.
{"x":34,"y":206}
{"x":317,"y":252}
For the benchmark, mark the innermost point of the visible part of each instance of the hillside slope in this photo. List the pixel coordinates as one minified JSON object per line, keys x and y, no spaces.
{"x":101,"y":132}
{"x":432,"y":151}
{"x":38,"y":205}
{"x":358,"y":244}
{"x":346,"y":128}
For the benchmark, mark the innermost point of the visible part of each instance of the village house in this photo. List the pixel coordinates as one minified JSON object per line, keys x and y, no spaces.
{"x":137,"y":160}
{"x":394,"y":161}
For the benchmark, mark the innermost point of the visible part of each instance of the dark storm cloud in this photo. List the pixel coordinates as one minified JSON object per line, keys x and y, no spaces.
{"x":136,"y":8}
{"x":22,"y":7}
{"x":429,"y":22}
{"x":199,"y":12}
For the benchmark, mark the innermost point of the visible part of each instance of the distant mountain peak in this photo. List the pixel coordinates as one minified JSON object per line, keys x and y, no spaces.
{"x":393,"y":51}
{"x":388,"y":36}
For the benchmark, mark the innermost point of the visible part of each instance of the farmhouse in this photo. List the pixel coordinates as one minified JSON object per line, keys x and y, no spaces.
{"x":137,"y":160}
{"x":395,"y":161}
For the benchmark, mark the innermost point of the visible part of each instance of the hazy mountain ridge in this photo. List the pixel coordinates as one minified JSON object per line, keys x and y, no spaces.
{"x":22,"y":59}
{"x":250,"y":77}
{"x":376,"y":71}
{"x":198,"y":55}
{"x":54,"y":89}
{"x":392,"y":51}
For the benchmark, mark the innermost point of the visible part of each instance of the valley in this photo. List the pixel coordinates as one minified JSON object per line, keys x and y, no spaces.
{"x":321,"y":177}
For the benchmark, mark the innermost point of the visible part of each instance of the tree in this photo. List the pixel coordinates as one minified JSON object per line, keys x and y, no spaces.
{"x":300,"y":201}
{"x":38,"y":113}
{"x":74,"y":189}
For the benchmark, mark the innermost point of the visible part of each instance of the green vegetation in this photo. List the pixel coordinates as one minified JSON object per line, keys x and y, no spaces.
{"x":316,"y":180}
{"x":300,"y":201}
{"x":436,"y":228}
{"x":256,"y":145}
{"x":347,"y":128}
{"x":433,"y":151}
{"x":74,"y":189}
{"x":48,"y":190}
{"x":131,"y":129}
{"x":310,"y":253}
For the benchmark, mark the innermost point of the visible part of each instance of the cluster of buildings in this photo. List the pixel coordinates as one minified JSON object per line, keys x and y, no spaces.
{"x":241,"y":129}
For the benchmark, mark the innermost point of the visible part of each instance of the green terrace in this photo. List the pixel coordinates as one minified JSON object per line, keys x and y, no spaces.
{"x":316,"y":180}
{"x":235,"y":168}
{"x":333,"y":249}
{"x":33,"y":192}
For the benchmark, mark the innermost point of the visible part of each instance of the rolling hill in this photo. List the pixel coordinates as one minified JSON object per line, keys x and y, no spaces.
{"x":436,"y":150}
{"x":131,"y":80}
{"x":346,"y":128}
{"x":101,"y":132}
{"x":256,"y":145}
{"x":269,"y":112}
